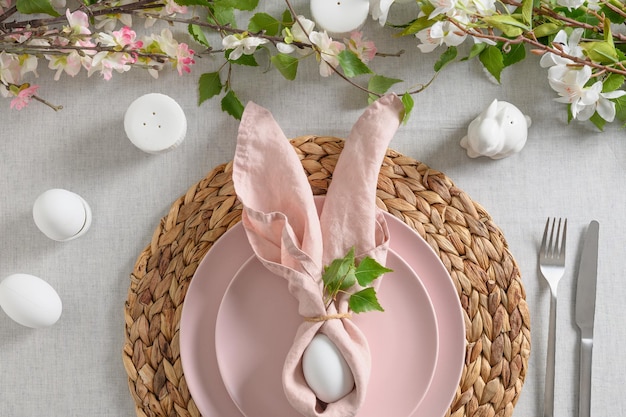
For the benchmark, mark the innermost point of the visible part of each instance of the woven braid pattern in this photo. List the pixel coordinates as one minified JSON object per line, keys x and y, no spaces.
{"x":462,"y":233}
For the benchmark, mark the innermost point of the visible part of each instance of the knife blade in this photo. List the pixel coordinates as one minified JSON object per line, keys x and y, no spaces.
{"x":585,"y":313}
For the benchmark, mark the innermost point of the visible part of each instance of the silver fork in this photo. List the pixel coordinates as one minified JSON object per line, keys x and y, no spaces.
{"x":552,"y":266}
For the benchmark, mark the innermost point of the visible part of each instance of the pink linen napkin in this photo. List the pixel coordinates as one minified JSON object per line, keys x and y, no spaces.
{"x":286,"y":234}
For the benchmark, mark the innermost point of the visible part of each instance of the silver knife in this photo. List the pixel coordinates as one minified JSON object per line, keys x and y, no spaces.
{"x":585,"y":312}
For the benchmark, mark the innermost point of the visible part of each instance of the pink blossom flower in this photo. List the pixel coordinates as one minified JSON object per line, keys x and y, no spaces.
{"x":106,"y":62}
{"x":171,"y":8}
{"x":78,"y":21}
{"x":70,"y":64}
{"x":180,"y":53}
{"x":10,"y":70}
{"x":4,"y":4}
{"x":22,"y":98}
{"x":365,"y":50}
{"x":125,"y":37}
{"x":184,"y":58}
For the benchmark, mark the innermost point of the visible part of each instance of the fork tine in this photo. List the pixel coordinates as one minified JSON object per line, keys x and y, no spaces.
{"x":563,"y":239}
{"x":544,"y":249}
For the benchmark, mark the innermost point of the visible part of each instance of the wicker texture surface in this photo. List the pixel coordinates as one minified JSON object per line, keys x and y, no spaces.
{"x":461,"y":232}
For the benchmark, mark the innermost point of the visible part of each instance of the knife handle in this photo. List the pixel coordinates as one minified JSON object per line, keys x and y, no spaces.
{"x":584,"y":395}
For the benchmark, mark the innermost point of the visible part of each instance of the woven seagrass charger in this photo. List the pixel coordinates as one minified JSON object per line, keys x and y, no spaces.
{"x":462,"y":233}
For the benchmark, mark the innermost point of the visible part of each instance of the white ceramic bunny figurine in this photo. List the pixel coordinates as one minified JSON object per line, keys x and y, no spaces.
{"x":499,"y":131}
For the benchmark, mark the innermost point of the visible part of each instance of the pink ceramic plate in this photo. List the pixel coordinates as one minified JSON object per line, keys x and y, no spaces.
{"x":214,"y":274}
{"x":258,"y":319}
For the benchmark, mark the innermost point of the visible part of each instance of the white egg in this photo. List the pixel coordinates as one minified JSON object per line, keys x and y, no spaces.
{"x":325,"y":370}
{"x":30,"y":301}
{"x":61,"y":214}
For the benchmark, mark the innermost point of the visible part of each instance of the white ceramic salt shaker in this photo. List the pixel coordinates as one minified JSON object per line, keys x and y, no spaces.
{"x":61,"y":214}
{"x":340,"y":17}
{"x":155,"y":123}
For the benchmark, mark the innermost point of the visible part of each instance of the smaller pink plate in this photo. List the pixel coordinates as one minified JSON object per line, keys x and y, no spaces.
{"x":258,"y":319}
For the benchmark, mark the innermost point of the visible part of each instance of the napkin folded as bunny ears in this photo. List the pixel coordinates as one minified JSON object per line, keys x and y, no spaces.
{"x":292,"y":241}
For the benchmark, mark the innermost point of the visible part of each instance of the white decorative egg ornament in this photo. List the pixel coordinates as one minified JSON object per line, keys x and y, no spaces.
{"x":61,"y":214}
{"x":30,"y":301}
{"x":325,"y":370}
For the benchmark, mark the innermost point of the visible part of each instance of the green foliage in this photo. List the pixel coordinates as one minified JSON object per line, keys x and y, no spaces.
{"x":448,"y":56}
{"x":209,"y":86}
{"x":380,"y":84}
{"x":408,"y":103}
{"x":492,"y":59}
{"x":232,"y":105}
{"x":238,"y":4}
{"x":286,"y":64}
{"x":352,"y":65}
{"x":198,"y":35}
{"x":36,"y":6}
{"x":343,"y":273}
{"x":612,"y":82}
{"x":364,"y":300}
{"x":204,"y":3}
{"x":263,"y":22}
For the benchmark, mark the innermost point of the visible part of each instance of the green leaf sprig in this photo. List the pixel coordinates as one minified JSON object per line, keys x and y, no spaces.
{"x":343,"y":273}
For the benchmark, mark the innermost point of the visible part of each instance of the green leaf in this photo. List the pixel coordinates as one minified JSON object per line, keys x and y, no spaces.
{"x":601,"y":51}
{"x":222,"y":15}
{"x":36,"y":6}
{"x":247,"y":60}
{"x":612,"y":82}
{"x":476,"y":50}
{"x":238,"y":4}
{"x":364,"y":300}
{"x":516,"y":54}
{"x":448,"y":56}
{"x":380,"y":84}
{"x":352,"y":64}
{"x":508,"y":24}
{"x":620,"y":108}
{"x":339,"y":275}
{"x":287,"y":65}
{"x":232,"y":105}
{"x":209,"y":86}
{"x":417,"y":25}
{"x":204,"y":3}
{"x":527,"y":11}
{"x":368,"y":270}
{"x":287,"y":18}
{"x":198,"y":35}
{"x":493,"y":61}
{"x":547,"y":29}
{"x":408,"y":102}
{"x":264,"y":22}
{"x":598,"y":121}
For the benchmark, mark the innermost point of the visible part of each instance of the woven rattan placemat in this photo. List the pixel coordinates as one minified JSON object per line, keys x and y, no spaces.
{"x":460,"y":231}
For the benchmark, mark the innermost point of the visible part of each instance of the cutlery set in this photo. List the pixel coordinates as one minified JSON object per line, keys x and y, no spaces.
{"x":552,"y":267}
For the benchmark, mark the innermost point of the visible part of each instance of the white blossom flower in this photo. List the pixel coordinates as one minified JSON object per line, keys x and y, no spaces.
{"x":327,"y":52}
{"x":570,"y":4}
{"x":241,"y":44}
{"x":299,"y":32}
{"x":484,"y":7}
{"x":446,"y":7}
{"x":379,"y":9}
{"x":569,"y":83}
{"x":569,"y":46}
{"x":441,"y":32}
